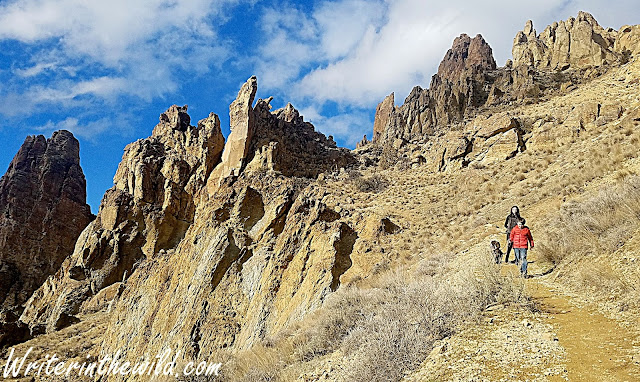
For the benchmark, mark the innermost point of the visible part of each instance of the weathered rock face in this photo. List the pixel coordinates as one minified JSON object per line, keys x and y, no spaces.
{"x":468,"y":80}
{"x":150,"y":207}
{"x":384,"y":112}
{"x":461,"y":84}
{"x":43,"y":209}
{"x":281,"y":141}
{"x":577,"y":43}
{"x":242,"y":123}
{"x":466,"y":55}
{"x":202,"y":250}
{"x":263,"y":253}
{"x":628,"y":40}
{"x":183,"y":206}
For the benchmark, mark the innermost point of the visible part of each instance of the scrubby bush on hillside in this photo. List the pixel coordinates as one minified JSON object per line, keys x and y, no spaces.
{"x":373,"y":183}
{"x":385,"y":330}
{"x":601,"y":224}
{"x":585,"y":243}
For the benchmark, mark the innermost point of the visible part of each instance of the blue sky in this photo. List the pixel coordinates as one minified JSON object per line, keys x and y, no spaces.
{"x":106,"y":70}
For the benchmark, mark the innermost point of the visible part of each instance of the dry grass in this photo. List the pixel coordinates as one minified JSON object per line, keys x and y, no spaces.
{"x":600,"y":224}
{"x":586,"y":239}
{"x":383,"y":330}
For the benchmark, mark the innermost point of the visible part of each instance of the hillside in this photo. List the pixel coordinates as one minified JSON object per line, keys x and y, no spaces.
{"x":287,"y":258}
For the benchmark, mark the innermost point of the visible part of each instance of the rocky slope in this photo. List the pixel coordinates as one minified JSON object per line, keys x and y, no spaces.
{"x":467,"y":83}
{"x":43,"y":209}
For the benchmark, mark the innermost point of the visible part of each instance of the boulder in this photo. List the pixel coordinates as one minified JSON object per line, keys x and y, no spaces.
{"x":628,"y":40}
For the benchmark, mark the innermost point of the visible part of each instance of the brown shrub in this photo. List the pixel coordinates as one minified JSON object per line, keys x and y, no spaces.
{"x":387,"y":329}
{"x":374,"y":183}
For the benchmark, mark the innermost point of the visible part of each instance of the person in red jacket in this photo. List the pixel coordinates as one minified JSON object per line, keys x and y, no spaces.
{"x":521,"y":237}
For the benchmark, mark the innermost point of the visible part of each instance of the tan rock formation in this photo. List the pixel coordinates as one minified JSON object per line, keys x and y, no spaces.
{"x":149,"y":209}
{"x":384,"y":111}
{"x":155,"y":205}
{"x":242,"y":130}
{"x":468,"y":80}
{"x":628,"y":40}
{"x":577,"y":43}
{"x":363,"y":142}
{"x":457,"y":88}
{"x":43,"y":209}
{"x":274,"y":258}
{"x":281,"y":141}
{"x":466,"y":54}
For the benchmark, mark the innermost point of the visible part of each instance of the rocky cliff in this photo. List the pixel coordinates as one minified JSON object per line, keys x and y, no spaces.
{"x":574,"y":43}
{"x":224,"y":241}
{"x":468,"y":82}
{"x":149,"y":208}
{"x":43,"y":209}
{"x":459,"y":85}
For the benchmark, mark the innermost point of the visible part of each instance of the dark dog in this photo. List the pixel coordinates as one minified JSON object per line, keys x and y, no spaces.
{"x":497,"y":252}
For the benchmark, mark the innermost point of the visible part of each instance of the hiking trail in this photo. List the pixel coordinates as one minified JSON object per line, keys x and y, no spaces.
{"x":597,"y":347}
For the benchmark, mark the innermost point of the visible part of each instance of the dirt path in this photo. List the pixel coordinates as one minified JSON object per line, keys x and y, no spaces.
{"x":597,"y":348}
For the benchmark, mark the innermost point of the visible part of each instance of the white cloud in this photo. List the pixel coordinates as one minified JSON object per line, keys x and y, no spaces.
{"x":105,"y":49}
{"x":83,"y":54}
{"x":35,"y":69}
{"x":87,"y":130}
{"x":343,"y":23}
{"x":107,"y":31}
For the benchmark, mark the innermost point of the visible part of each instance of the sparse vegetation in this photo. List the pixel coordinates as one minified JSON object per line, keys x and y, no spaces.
{"x":587,"y":243}
{"x":386,"y":329}
{"x":373,"y":183}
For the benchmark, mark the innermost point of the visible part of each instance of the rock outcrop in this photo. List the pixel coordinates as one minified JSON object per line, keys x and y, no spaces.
{"x":263,"y":253}
{"x":565,"y":54}
{"x":628,"y":41}
{"x":363,"y":142}
{"x":280,"y":141}
{"x":226,"y":247}
{"x":241,"y":118}
{"x":149,"y":208}
{"x":384,"y":113}
{"x":466,"y":56}
{"x":460,"y":85}
{"x":577,"y":43}
{"x":43,"y":209}
{"x":284,"y":143}
{"x":183,"y":194}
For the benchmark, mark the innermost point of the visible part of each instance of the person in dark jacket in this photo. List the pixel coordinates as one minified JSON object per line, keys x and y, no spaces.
{"x":509,"y":223}
{"x":520,"y":238}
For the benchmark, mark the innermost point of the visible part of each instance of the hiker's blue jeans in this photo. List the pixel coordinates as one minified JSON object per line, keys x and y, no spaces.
{"x":521,"y":258}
